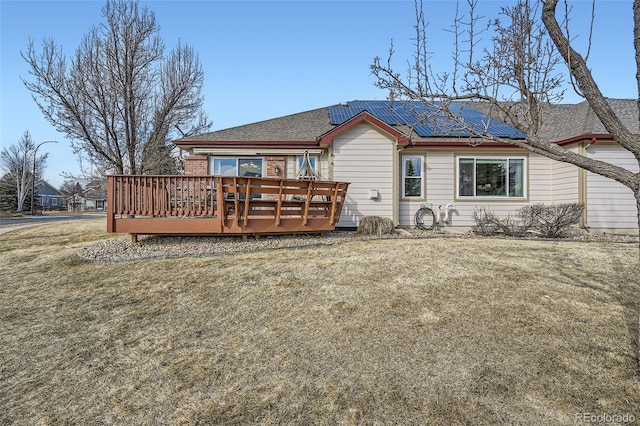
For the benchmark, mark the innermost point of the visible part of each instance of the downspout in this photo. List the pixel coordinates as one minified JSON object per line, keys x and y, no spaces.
{"x":395,"y":213}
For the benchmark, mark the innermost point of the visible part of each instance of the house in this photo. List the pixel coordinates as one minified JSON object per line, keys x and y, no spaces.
{"x":50,"y":197}
{"x":395,"y":164}
{"x":92,"y":198}
{"x":95,"y":196}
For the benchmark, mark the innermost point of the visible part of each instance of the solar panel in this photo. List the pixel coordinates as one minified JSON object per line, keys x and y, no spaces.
{"x":426,"y":121}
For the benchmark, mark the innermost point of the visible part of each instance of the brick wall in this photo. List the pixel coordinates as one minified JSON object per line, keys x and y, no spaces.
{"x":196,"y":165}
{"x":272,"y":162}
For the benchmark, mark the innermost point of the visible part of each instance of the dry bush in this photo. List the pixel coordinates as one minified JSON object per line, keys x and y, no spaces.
{"x":376,"y":225}
{"x":548,"y":221}
{"x":515,"y":225}
{"x":555,"y":220}
{"x":485,"y":222}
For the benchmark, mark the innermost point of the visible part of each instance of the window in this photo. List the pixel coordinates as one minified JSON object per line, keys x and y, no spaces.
{"x":412,"y":176}
{"x":491,"y":177}
{"x":312,"y":160}
{"x":230,"y":166}
{"x":233,"y":166}
{"x":225,"y":166}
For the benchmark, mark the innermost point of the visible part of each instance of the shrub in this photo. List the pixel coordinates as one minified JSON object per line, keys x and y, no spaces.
{"x":485,"y":222}
{"x":549,"y":221}
{"x":555,"y":220}
{"x":515,"y":225}
{"x":376,"y":225}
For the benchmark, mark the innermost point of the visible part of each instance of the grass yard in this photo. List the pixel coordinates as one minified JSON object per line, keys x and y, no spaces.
{"x":399,"y":331}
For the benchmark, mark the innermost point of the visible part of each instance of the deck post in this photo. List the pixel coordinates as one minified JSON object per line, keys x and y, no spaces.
{"x":221,"y":213}
{"x":307,"y":202}
{"x":334,"y":200}
{"x":111,"y":205}
{"x":279,"y":205}
{"x":247,"y":197}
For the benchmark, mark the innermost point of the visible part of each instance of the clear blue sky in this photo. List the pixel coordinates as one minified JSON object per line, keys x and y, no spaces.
{"x":265,"y":59}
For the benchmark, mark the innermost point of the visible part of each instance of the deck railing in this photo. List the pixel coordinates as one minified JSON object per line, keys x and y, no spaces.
{"x":211,"y":205}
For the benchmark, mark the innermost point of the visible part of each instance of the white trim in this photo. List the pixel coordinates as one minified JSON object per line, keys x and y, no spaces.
{"x":506,"y":158}
{"x":421,"y":176}
{"x":300,"y":159}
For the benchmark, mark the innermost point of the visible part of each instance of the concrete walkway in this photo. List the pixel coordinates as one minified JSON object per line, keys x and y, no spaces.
{"x":7,"y":226}
{"x":16,"y":227}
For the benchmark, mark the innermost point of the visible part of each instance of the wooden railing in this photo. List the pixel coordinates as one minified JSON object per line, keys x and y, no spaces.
{"x":211,"y":205}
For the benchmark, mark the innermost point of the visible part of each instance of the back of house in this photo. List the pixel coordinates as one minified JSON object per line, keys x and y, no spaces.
{"x":396,"y":163}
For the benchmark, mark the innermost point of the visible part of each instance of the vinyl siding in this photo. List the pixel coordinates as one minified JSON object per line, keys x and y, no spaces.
{"x":565,"y":183}
{"x":363,"y":156}
{"x":610,"y":205}
{"x":441,"y":187}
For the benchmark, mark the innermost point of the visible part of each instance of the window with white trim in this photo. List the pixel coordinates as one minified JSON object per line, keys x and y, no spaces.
{"x":491,"y":177}
{"x":412,"y":184}
{"x":313,"y":160}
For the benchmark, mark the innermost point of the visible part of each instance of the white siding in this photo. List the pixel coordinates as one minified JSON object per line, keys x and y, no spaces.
{"x":363,"y":156}
{"x":566,"y":185}
{"x":441,"y":188}
{"x":610,"y":205}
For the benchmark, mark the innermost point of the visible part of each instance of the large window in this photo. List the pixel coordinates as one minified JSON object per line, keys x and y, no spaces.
{"x":229,"y":166}
{"x":500,"y":177}
{"x":412,"y":177}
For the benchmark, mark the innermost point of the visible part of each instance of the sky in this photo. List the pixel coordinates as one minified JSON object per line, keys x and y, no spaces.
{"x":265,"y":59}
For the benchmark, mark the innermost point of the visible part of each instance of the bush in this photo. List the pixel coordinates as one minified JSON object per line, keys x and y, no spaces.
{"x":487,"y":223}
{"x":554,"y":221}
{"x":376,"y":225}
{"x":549,"y":221}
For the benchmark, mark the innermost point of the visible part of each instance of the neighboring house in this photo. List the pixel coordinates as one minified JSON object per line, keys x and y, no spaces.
{"x":50,"y":197}
{"x":95,"y":197}
{"x":395,"y":165}
{"x":92,"y":198}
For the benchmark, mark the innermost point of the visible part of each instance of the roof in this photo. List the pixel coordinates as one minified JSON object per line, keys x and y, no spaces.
{"x":564,"y":121}
{"x":561,"y":122}
{"x":425,"y":120}
{"x":303,"y":126}
{"x":45,"y":188}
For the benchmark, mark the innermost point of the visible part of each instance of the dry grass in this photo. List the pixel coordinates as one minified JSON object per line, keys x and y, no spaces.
{"x":376,"y":225}
{"x":439,"y":331}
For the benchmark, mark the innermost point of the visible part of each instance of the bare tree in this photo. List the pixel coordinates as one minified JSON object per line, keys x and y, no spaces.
{"x":517,"y":78}
{"x":119,"y":98}
{"x":18,"y":161}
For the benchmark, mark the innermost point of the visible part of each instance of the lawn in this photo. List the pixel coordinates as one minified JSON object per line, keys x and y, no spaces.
{"x":387,"y":331}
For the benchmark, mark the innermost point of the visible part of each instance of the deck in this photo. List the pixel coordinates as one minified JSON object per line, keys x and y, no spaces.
{"x":221,"y":205}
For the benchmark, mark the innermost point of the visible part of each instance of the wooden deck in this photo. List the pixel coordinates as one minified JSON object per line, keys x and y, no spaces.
{"x":221,"y":205}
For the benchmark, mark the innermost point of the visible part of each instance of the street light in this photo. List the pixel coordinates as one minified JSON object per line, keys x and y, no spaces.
{"x":33,"y":175}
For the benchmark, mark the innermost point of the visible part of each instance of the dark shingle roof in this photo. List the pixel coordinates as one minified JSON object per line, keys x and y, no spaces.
{"x":303,"y":126}
{"x":567,"y":121}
